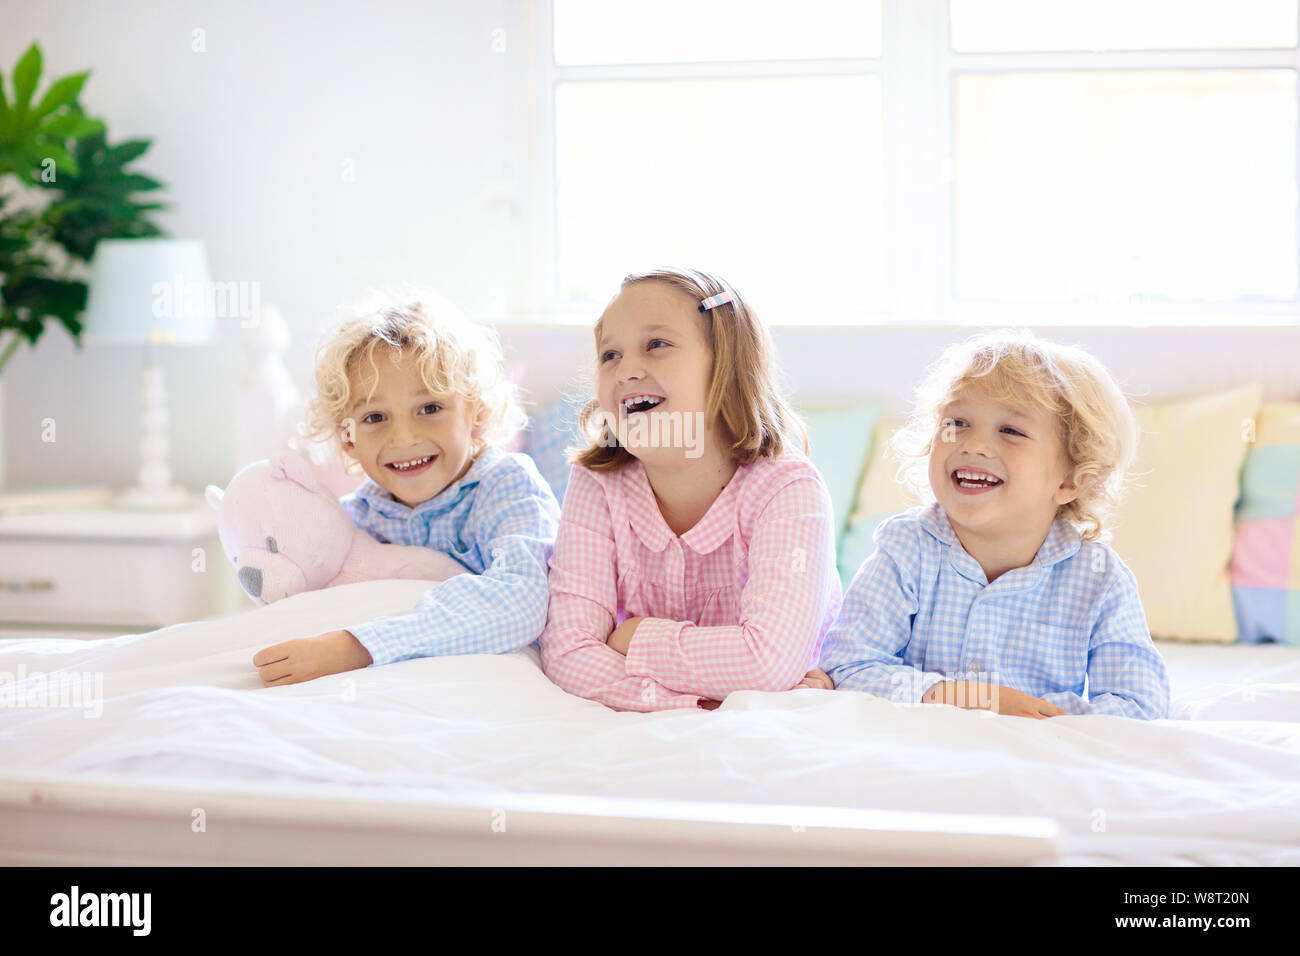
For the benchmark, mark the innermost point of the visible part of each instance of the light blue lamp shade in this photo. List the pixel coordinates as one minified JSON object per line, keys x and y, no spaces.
{"x":150,"y":290}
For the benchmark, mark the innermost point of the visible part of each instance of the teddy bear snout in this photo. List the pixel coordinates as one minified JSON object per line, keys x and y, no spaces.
{"x":250,"y":579}
{"x":267,"y":575}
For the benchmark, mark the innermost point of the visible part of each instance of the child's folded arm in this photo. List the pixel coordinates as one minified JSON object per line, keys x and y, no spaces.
{"x":1127,"y":676}
{"x":1114,"y":705}
{"x":864,"y":650}
{"x":583,"y":609}
{"x":500,"y":610}
{"x":577,"y":659}
{"x":790,"y":590}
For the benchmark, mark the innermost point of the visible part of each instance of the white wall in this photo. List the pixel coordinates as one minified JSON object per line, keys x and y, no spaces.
{"x":824,"y":366}
{"x":251,"y":137}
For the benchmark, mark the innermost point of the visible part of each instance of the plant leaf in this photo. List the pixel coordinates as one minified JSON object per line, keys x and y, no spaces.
{"x":4,"y":108}
{"x":64,"y":164}
{"x":61,"y":92}
{"x":123,"y":153}
{"x":42,"y":296}
{"x":103,"y":190}
{"x":71,"y":126}
{"x":10,"y":163}
{"x":26,"y":73}
{"x":135,"y":181}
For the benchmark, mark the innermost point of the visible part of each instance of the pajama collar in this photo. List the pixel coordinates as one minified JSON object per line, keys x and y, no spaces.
{"x":1062,"y":541}
{"x":718,"y":524}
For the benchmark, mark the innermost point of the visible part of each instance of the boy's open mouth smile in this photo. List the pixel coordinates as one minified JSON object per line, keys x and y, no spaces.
{"x":974,"y":481}
{"x":412,"y":466}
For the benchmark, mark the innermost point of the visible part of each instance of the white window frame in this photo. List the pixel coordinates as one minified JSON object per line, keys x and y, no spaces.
{"x":918,"y":70}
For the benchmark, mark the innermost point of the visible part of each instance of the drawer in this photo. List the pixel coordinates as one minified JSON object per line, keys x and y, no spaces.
{"x":132,"y":583}
{"x":75,"y":632}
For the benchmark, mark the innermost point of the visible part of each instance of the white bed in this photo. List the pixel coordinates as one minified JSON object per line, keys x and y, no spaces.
{"x":482,"y":760}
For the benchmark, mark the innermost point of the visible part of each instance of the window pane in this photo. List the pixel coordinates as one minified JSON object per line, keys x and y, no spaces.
{"x":773,"y":183}
{"x":1175,"y":185}
{"x":693,"y":31}
{"x":1026,"y":25}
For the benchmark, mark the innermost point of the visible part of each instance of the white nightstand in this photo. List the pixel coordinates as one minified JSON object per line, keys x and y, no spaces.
{"x":97,"y":572}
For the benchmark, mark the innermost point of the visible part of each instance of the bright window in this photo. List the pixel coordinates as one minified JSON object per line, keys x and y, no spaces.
{"x":1122,"y":186}
{"x":1018,"y":26}
{"x":928,"y":160}
{"x":765,"y":181}
{"x":696,"y":31}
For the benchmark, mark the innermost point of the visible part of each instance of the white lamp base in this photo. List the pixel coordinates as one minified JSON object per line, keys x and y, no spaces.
{"x":153,"y":490}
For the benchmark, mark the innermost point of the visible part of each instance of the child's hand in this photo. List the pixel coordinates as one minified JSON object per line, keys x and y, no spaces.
{"x":310,"y":657}
{"x":816,"y":678}
{"x":972,"y":695}
{"x":1019,"y":704}
{"x":621,"y":637}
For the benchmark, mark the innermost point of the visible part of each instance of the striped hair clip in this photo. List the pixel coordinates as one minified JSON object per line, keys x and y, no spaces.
{"x":713,"y":301}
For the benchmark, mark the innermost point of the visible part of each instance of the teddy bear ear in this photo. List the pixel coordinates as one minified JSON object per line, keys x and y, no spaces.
{"x":294,"y":467}
{"x":213,"y":494}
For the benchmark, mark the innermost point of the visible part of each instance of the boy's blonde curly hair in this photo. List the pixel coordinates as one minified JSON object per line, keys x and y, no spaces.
{"x":1095,"y":423}
{"x":456,"y":357}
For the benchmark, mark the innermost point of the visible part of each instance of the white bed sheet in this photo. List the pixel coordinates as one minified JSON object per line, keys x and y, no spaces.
{"x":1218,"y":785}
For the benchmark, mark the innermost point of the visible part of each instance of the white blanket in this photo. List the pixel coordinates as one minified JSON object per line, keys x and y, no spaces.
{"x":1220,"y":784}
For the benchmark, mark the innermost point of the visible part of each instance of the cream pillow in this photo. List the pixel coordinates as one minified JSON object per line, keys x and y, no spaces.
{"x":878,"y":497}
{"x":1175,"y":525}
{"x":880,"y":494}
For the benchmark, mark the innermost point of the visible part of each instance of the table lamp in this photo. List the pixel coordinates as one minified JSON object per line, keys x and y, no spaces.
{"x":151,"y":292}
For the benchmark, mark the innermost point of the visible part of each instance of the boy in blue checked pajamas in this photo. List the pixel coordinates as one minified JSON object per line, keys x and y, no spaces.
{"x":999,"y":595}
{"x":414,"y":393}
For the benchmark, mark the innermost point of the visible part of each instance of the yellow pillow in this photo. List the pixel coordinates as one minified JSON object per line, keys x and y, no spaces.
{"x":879,"y":494}
{"x":1175,"y":525}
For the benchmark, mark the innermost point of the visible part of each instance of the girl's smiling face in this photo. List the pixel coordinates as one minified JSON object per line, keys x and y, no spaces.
{"x":652,"y":359}
{"x":998,"y":468}
{"x":410,"y":442}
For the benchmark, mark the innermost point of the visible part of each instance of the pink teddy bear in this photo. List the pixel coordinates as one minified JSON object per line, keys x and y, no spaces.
{"x":286,"y":533}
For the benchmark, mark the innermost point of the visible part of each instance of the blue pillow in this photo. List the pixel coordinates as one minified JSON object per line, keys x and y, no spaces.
{"x":552,"y":430}
{"x":857,"y":545}
{"x":841,"y":441}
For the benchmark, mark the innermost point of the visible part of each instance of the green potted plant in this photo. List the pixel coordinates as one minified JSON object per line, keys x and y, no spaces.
{"x":62,"y":189}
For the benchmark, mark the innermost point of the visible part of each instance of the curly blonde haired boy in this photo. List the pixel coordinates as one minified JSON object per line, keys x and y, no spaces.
{"x":1000,"y":594}
{"x":413,"y":394}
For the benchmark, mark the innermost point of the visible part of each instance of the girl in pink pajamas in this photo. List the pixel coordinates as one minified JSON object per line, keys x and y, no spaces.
{"x":695,"y":554}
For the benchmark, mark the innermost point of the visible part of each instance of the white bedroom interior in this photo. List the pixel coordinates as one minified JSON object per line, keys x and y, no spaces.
{"x":883,"y":178}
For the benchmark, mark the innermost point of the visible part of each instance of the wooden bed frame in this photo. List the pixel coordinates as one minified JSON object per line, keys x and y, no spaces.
{"x":151,"y":822}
